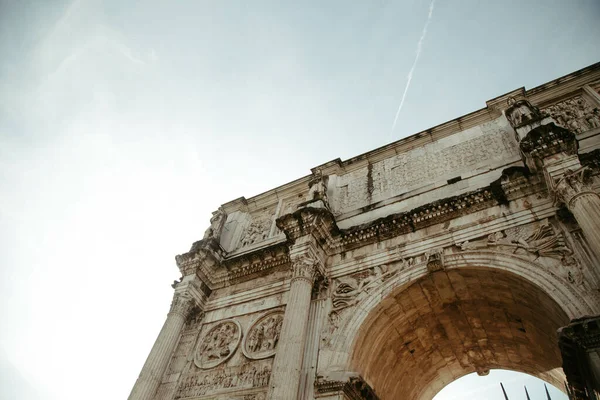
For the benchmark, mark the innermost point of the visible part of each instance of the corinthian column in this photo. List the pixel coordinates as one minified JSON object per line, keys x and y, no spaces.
{"x":184,"y":301}
{"x":287,"y":366}
{"x":582,"y":202}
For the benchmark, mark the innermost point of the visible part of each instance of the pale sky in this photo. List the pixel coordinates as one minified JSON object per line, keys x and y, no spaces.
{"x":124,"y":124}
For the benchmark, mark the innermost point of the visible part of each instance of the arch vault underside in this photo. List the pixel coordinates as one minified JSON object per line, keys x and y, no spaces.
{"x":451,"y":323}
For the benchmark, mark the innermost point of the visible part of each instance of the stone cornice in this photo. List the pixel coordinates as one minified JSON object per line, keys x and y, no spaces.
{"x":202,"y":260}
{"x":546,"y":140}
{"x":318,"y":222}
{"x":248,"y":266}
{"x":208,"y":261}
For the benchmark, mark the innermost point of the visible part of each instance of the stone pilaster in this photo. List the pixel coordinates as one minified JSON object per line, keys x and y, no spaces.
{"x":287,"y":366}
{"x":185,"y":299}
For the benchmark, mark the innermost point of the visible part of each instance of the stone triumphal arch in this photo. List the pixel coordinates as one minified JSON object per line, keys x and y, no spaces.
{"x":470,"y":246}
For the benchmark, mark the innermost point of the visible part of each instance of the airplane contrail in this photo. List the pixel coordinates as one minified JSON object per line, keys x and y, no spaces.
{"x":412,"y":69}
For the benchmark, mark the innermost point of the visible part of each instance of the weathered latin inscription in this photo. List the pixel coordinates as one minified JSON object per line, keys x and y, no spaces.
{"x":491,"y":144}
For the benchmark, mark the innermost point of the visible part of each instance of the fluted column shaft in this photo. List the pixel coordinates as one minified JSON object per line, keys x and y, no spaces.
{"x":572,"y":189}
{"x":586,"y":210}
{"x":287,"y":366}
{"x":154,"y":368}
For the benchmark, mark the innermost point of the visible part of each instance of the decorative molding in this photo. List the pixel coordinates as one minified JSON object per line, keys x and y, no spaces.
{"x":245,"y":267}
{"x":546,"y":140}
{"x":435,"y":260}
{"x":318,"y":222}
{"x":418,"y":218}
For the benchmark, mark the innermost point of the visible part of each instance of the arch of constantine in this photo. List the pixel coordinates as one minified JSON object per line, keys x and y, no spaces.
{"x":470,"y":246}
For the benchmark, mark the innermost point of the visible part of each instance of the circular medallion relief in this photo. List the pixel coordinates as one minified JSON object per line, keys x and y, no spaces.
{"x":218,"y":344}
{"x":262,"y":338}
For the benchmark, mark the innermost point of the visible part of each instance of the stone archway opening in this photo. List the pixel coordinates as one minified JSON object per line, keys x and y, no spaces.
{"x":451,"y":323}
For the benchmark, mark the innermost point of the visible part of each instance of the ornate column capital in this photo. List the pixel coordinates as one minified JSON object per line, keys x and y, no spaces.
{"x":182,"y":304}
{"x":571,"y":185}
{"x":190,"y":296}
{"x":204,"y":257}
{"x":306,"y":266}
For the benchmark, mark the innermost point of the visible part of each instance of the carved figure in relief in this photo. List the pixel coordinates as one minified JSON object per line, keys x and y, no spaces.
{"x":218,"y":344}
{"x":263,"y":336}
{"x":575,"y":114}
{"x":222,"y":380}
{"x":317,"y":190}
{"x":217,"y":222}
{"x":543,"y":242}
{"x":520,"y":112}
{"x":349,"y":290}
{"x":257,"y":231}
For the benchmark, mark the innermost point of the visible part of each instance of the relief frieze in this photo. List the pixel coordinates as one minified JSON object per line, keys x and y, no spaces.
{"x":575,"y":114}
{"x":258,"y":230}
{"x":223,"y":380}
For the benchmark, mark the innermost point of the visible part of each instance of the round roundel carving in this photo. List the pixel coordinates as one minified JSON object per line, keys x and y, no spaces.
{"x":262,"y":338}
{"x":218,"y":344}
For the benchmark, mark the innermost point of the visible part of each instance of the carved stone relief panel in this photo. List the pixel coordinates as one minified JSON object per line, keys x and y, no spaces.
{"x":575,"y":114}
{"x":541,"y":242}
{"x":263,"y":336}
{"x":218,"y":344}
{"x":492,"y":143}
{"x":258,"y":229}
{"x":349,"y":290}
{"x":224,"y":380}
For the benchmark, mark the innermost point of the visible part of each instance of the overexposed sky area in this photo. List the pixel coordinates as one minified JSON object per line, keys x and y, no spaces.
{"x":124,"y":124}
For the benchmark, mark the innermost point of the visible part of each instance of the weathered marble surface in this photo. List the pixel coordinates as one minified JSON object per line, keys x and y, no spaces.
{"x":391,"y":274}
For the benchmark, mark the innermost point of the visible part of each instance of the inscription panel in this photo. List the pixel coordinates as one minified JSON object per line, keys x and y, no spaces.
{"x":491,"y":145}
